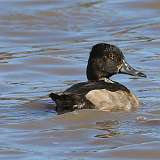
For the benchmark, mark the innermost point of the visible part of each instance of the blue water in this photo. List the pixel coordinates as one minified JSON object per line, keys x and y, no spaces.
{"x":44,"y":47}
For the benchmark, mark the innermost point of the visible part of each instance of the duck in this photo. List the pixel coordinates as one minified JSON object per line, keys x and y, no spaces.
{"x":100,"y":92}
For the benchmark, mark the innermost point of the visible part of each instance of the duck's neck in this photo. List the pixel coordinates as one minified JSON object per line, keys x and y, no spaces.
{"x":107,"y":80}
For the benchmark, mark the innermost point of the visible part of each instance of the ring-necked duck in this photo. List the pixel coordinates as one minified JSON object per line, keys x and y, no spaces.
{"x":99,"y":92}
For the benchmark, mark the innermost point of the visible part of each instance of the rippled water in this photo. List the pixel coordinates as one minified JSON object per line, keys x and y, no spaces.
{"x":44,"y":47}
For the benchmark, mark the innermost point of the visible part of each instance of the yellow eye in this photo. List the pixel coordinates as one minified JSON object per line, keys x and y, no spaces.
{"x":111,"y":56}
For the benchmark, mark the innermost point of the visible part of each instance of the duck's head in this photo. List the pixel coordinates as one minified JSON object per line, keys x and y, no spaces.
{"x":106,"y":60}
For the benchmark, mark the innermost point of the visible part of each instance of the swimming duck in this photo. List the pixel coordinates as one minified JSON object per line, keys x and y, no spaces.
{"x":100,"y":92}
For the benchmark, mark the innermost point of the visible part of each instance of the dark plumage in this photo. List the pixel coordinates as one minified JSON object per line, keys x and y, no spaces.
{"x":100,"y":92}
{"x":104,"y":61}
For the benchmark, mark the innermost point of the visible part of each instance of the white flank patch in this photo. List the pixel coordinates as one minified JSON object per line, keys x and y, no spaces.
{"x":107,"y":100}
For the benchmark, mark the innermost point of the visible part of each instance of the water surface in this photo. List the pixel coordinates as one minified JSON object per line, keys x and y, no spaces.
{"x":44,"y":47}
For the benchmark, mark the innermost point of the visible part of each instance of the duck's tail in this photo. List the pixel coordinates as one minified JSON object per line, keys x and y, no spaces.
{"x":63,"y":102}
{"x":54,"y":96}
{"x":62,"y":97}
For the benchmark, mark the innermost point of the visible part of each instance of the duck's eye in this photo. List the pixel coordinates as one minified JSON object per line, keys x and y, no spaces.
{"x":111,"y":56}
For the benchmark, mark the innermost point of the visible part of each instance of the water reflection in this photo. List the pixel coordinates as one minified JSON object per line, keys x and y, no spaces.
{"x":110,"y":128}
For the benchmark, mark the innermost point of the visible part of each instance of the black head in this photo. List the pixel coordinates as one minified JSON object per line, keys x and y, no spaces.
{"x":106,"y":60}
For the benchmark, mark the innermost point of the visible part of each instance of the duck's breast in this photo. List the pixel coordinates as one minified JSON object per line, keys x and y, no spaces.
{"x":107,"y":100}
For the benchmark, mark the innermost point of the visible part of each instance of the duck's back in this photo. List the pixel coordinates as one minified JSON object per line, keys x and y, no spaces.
{"x":107,"y":96}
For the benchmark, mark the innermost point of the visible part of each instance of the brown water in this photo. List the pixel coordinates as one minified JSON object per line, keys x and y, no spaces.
{"x":44,"y":47}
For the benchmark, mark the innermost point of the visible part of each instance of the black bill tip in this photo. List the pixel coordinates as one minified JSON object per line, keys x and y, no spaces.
{"x":140,"y":74}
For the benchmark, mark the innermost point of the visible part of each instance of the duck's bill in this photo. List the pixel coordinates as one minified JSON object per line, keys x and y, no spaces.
{"x":127,"y":69}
